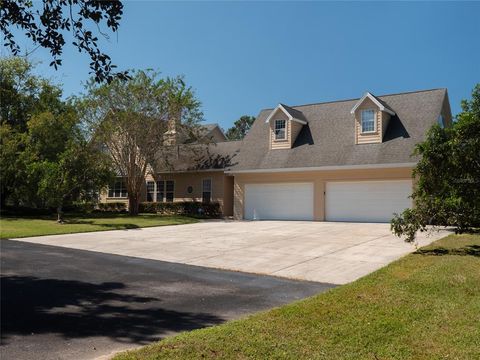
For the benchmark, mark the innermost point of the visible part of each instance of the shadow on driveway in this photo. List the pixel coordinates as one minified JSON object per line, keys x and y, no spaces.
{"x":61,"y":303}
{"x":73,"y":309}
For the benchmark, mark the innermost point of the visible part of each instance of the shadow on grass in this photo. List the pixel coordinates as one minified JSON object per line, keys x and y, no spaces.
{"x":73,"y":309}
{"x":469,"y":250}
{"x":93,"y":223}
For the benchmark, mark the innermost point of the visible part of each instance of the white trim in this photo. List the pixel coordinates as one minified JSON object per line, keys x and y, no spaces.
{"x":275,"y":130}
{"x":325,"y":168}
{"x":290,"y":117}
{"x":188,"y":171}
{"x":371,"y":97}
{"x":374,"y":131}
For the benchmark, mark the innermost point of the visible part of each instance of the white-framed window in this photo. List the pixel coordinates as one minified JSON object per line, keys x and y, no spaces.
{"x":118,"y":189}
{"x":280,"y":129}
{"x":150,"y":191}
{"x":368,"y":120}
{"x":206,"y":190}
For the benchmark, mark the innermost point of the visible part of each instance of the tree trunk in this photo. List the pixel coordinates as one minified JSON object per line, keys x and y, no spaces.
{"x":59,"y":214}
{"x":133,"y":205}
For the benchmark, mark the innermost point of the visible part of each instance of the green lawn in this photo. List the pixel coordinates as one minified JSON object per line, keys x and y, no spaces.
{"x":424,"y":306}
{"x":13,"y":227}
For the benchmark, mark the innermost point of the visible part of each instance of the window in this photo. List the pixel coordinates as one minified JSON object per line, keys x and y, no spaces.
{"x":150,"y":190}
{"x":169,"y":190}
{"x":368,"y":120}
{"x":280,"y":133}
{"x":206,"y":190}
{"x":165,"y":190}
{"x":160,"y":190}
{"x":118,"y":189}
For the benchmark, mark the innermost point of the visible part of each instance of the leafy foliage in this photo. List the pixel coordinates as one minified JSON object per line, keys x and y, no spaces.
{"x":131,"y":119}
{"x":47,"y":158}
{"x":116,"y":206}
{"x":211,"y":210}
{"x":240,"y":128}
{"x":23,"y":94}
{"x":448,"y":187}
{"x":45,"y":26}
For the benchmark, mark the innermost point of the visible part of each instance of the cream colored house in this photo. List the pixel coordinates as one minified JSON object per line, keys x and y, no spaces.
{"x":187,"y":172}
{"x":347,"y":160}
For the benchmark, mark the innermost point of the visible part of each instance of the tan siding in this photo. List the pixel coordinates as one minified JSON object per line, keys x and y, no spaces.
{"x":319,"y":178}
{"x":280,"y":144}
{"x":370,"y":137}
{"x":295,"y":130}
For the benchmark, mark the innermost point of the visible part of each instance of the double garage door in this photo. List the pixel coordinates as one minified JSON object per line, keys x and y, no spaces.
{"x":362,"y":201}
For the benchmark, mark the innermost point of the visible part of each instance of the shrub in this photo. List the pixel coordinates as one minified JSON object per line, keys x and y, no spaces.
{"x":80,"y":207}
{"x":113,"y":207}
{"x":211,"y":210}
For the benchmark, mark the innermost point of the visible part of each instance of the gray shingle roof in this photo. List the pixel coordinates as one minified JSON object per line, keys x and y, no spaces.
{"x":194,"y":157}
{"x":297,"y":114}
{"x":328,"y":138}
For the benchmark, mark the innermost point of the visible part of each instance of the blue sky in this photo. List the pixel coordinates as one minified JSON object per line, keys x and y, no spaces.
{"x":244,"y":56}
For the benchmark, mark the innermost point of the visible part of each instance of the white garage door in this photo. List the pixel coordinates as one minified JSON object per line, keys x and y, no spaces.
{"x":368,"y":201}
{"x":279,"y":201}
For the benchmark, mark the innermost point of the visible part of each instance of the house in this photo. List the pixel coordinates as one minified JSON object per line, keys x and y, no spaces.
{"x":347,"y":160}
{"x":187,"y":172}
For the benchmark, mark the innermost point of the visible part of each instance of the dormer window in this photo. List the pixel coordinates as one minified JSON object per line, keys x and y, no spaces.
{"x":280,"y":133}
{"x":368,"y":121}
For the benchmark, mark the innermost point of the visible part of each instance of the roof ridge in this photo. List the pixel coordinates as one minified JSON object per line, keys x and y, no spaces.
{"x":345,"y":100}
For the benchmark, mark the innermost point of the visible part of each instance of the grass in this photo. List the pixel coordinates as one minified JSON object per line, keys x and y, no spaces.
{"x":423,"y":306}
{"x":16,"y":227}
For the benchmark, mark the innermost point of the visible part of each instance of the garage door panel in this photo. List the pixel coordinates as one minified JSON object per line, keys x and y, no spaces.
{"x":289,"y":201}
{"x":368,"y":201}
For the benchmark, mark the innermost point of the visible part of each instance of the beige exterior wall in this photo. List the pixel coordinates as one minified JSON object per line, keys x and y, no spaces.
{"x":220,"y":191}
{"x":369,"y":138}
{"x":318,"y":178}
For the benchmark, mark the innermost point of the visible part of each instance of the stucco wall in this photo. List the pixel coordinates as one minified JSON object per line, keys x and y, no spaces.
{"x":319,"y":178}
{"x":184,"y":180}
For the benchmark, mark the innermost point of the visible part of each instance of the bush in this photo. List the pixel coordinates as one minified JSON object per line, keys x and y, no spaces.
{"x":83,"y":207}
{"x":211,"y":210}
{"x":112,"y":207}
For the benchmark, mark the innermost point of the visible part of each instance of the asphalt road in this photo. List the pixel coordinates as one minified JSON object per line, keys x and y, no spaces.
{"x":60,"y":303}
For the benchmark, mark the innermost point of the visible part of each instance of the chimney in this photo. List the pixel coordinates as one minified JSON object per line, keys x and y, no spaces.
{"x":171,"y":135}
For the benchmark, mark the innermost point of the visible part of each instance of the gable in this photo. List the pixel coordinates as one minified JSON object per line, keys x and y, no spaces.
{"x":294,"y":121}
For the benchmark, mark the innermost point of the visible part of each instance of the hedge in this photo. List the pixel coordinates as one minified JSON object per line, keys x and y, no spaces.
{"x":113,"y":207}
{"x":211,"y":210}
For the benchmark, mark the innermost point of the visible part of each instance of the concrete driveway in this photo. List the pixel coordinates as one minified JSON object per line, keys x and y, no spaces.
{"x":335,"y":253}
